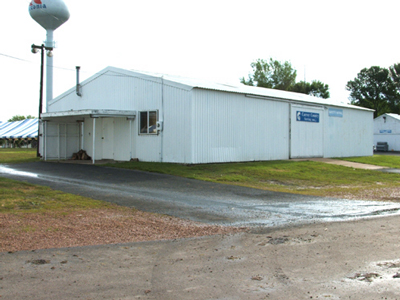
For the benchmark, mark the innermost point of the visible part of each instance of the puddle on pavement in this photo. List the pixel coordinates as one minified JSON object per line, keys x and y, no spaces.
{"x":282,"y":213}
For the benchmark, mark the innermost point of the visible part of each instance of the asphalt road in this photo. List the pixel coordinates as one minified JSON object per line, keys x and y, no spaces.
{"x":193,"y":199}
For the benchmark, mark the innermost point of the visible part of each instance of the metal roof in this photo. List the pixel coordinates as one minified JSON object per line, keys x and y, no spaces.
{"x":395,"y":116}
{"x":92,"y":113}
{"x":191,"y":83}
{"x":27,"y":128}
{"x":251,"y":91}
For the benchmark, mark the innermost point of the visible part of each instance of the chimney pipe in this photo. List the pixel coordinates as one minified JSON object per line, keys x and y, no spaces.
{"x":78,"y":86}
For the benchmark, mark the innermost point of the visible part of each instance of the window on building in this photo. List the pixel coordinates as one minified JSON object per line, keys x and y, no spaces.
{"x":148,"y":122}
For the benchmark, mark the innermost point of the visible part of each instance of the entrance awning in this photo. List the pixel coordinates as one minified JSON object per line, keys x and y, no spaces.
{"x":73,"y":115}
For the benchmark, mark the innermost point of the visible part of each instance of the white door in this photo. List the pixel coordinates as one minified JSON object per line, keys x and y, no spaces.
{"x":108,"y":138}
{"x":306,"y":131}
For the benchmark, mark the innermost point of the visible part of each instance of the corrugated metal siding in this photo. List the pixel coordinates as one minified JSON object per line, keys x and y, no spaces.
{"x":350,"y":135}
{"x":116,"y":91}
{"x":109,"y":91}
{"x":121,"y":141}
{"x":387,"y":124}
{"x":388,"y":131}
{"x":177,"y":125}
{"x":51,"y":138}
{"x":147,"y":98}
{"x":88,"y":138}
{"x":230,"y":127}
{"x":113,"y":91}
{"x":307,"y":138}
{"x":393,"y":140}
{"x":64,"y":138}
{"x":204,"y":125}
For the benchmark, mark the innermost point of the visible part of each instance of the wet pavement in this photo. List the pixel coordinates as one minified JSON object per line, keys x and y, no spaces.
{"x":193,"y":199}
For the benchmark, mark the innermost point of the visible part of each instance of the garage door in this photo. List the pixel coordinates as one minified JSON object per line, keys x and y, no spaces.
{"x":306,"y":131}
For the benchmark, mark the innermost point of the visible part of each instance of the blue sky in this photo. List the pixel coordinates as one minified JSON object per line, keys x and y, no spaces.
{"x":330,"y":41}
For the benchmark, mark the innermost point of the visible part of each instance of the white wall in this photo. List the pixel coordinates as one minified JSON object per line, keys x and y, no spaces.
{"x":232,"y":127}
{"x":122,"y":147}
{"x":177,"y":122}
{"x":307,"y":137}
{"x":387,"y":131}
{"x":64,"y":139}
{"x":349,"y":135}
{"x":203,"y":126}
{"x":88,"y":138}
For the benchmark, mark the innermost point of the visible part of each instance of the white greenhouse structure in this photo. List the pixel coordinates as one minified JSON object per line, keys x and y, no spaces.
{"x":387,"y":130}
{"x":121,"y":115}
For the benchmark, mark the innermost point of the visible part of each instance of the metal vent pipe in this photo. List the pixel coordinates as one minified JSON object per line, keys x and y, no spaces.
{"x":78,"y":85}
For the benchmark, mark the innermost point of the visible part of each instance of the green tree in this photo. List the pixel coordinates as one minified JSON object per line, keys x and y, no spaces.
{"x":394,"y":98}
{"x":315,"y":88}
{"x":372,"y":88}
{"x":271,"y":74}
{"x":20,"y":118}
{"x":274,"y":74}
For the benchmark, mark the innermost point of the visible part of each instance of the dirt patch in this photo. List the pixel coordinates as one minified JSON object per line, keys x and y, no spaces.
{"x":121,"y":225}
{"x":95,"y":227}
{"x":378,"y":194}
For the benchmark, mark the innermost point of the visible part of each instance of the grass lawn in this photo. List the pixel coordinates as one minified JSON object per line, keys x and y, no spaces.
{"x":17,"y":155}
{"x":18,"y":197}
{"x":21,"y":197}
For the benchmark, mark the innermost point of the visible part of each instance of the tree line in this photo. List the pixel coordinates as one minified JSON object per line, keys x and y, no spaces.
{"x":274,"y":74}
{"x":20,"y":118}
{"x":375,"y":87}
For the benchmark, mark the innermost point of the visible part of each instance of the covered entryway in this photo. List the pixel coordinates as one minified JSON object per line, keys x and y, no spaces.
{"x":306,"y":131}
{"x":103,"y":134}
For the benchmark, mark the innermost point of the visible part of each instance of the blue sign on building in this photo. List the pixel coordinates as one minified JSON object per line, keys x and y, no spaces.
{"x":336,"y":112}
{"x":305,"y":116}
{"x":385,"y":131}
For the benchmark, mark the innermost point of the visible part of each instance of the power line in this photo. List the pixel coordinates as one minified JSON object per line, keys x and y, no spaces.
{"x":30,"y":61}
{"x":13,"y":57}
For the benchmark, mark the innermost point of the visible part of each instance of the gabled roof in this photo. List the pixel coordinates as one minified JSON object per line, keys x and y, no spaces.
{"x":394,"y":116}
{"x":27,"y":128}
{"x":190,"y":83}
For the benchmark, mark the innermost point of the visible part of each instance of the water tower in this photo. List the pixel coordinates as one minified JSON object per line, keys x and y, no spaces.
{"x":50,"y":14}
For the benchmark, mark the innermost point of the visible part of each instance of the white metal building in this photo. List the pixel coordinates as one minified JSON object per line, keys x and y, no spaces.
{"x":387,"y":129}
{"x":120,"y":114}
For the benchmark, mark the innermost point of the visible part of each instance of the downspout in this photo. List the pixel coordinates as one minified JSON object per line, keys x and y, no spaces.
{"x":160,"y":122}
{"x":65,"y":140}
{"x":58,"y":140}
{"x":94,"y":140}
{"x":130,"y":138}
{"x":290,"y":130}
{"x":45,"y":141}
{"x":82,"y":134}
